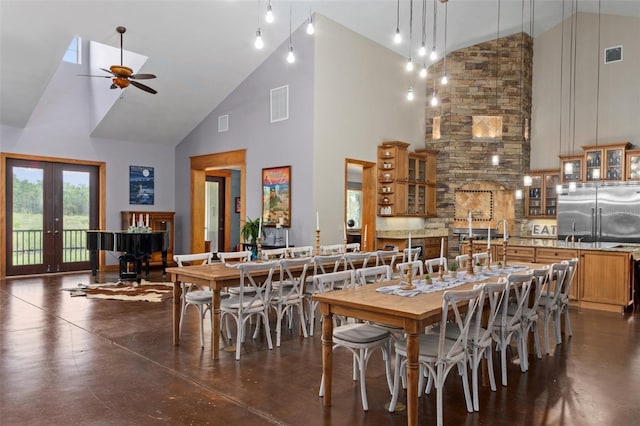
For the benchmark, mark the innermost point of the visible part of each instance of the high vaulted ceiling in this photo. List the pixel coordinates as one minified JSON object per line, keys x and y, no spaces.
{"x":201,"y":50}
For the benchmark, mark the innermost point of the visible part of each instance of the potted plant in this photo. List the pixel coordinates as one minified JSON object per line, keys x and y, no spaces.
{"x":250,"y":229}
{"x":478,"y":268}
{"x":453,"y":268}
{"x":427,"y":279}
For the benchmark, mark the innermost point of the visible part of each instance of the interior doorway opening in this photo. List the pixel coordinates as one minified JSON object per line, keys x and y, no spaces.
{"x":360,"y":202}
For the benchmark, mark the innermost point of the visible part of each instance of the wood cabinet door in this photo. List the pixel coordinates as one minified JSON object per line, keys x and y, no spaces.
{"x":605,"y":277}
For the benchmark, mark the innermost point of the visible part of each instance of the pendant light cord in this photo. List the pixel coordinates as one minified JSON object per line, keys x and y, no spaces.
{"x":445,"y":38}
{"x":435,"y":15}
{"x":497,"y":56}
{"x":598,"y":72}
{"x":574,"y":49}
{"x":561,"y":91}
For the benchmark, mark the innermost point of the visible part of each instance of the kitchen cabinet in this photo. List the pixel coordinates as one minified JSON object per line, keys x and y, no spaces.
{"x":430,"y":245}
{"x":606,"y":280}
{"x":406,"y":181}
{"x":541,"y":197}
{"x":158,"y":221}
{"x":605,"y":162}
{"x":571,"y":170}
{"x":633,"y":164}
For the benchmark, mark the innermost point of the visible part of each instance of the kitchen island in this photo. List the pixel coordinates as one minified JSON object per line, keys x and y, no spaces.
{"x":607,"y":277}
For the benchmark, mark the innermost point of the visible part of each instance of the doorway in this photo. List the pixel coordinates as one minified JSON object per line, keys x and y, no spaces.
{"x":49,"y":207}
{"x":215,"y":212}
{"x":360,"y":201}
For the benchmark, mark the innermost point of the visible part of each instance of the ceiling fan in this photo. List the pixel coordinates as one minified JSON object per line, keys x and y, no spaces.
{"x":121,"y":76}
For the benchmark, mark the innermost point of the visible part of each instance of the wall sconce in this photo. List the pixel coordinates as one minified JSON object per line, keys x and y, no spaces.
{"x":518,"y":194}
{"x":495,"y":160}
{"x":528,"y":180}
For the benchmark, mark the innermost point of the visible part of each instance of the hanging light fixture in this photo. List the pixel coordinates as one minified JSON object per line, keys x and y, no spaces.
{"x":269,"y":16}
{"x":434,"y":98}
{"x":423,"y":71}
{"x":258,"y":43}
{"x":559,"y":186}
{"x":444,"y":79}
{"x":291,"y":57}
{"x":572,"y":81}
{"x":397,"y":38}
{"x":310,"y":28}
{"x":434,"y":55}
{"x":495,"y":160}
{"x":518,"y":194}
{"x":410,"y":60}
{"x":423,"y":49}
{"x":410,"y":95}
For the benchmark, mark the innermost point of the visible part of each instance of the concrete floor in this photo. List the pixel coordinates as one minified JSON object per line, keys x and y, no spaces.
{"x":76,"y":361}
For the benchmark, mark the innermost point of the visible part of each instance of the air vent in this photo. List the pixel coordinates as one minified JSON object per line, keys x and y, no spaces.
{"x":280,"y":104}
{"x":223,"y":123}
{"x":612,"y":54}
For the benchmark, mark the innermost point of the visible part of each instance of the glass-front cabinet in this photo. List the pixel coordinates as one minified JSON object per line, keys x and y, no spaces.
{"x":633,"y":164}
{"x":541,"y":198}
{"x":605,"y":162}
{"x":571,"y":168}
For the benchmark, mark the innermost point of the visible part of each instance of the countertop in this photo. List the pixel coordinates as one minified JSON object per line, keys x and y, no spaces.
{"x":543,"y":242}
{"x":403,"y":234}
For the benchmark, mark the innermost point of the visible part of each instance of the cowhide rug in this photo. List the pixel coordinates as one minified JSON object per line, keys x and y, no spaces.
{"x":144,"y":291}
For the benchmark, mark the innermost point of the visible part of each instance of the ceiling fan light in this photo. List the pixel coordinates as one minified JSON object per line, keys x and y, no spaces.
{"x":259,"y":44}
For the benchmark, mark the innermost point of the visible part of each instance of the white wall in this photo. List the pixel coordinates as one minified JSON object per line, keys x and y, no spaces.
{"x":60,"y":127}
{"x":614,"y":109}
{"x":360,"y":101}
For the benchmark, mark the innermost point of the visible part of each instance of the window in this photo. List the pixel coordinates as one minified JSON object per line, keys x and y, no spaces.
{"x":73,"y":53}
{"x":354,"y":207}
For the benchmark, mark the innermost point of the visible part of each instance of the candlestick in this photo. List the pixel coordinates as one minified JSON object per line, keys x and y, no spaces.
{"x":140,"y":223}
{"x":317,"y":221}
{"x":260,"y":227}
{"x":364,"y":246}
{"x":470,"y":260}
{"x":317,"y":242}
{"x":259,"y":247}
{"x":488,"y":237}
{"x":441,"y":249}
{"x":147,"y":221}
{"x":286,"y":238}
{"x":505,"y":236}
{"x":410,"y":258}
{"x":470,"y":222}
{"x":133,"y":219}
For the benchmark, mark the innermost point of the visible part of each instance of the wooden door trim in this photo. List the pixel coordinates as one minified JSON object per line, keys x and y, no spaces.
{"x":200,"y":166}
{"x":102,"y":187}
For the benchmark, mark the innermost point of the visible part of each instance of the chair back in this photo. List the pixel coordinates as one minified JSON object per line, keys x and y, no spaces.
{"x":409,"y":255}
{"x":254,"y":286}
{"x":481,"y":258}
{"x":190,"y":259}
{"x":573,"y":267}
{"x":557,"y":280}
{"x":332,"y":280}
{"x":453,"y":302}
{"x":541,"y":277}
{"x":235,"y":256}
{"x":351,"y":247}
{"x":373,"y":274}
{"x":516,"y":294}
{"x":462,"y":260}
{"x":330,"y":263}
{"x":481,"y":333}
{"x":331,"y":249}
{"x":416,"y":268}
{"x":271,"y":254}
{"x":387,"y":257}
{"x":356,"y":260}
{"x":293,"y":273}
{"x":303,"y":251}
{"x":440,"y":262}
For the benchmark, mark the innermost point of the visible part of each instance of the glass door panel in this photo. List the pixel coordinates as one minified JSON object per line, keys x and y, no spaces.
{"x":26,"y":217}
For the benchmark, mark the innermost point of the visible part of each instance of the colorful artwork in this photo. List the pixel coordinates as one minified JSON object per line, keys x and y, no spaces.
{"x":276,"y":196}
{"x":141,"y":185}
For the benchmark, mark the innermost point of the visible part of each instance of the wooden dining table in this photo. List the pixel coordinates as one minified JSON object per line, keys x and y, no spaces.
{"x":413,"y":314}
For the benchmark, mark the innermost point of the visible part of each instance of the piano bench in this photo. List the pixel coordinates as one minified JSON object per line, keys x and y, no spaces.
{"x":136,"y":260}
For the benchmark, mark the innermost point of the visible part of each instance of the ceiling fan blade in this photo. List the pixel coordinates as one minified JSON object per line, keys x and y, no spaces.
{"x":99,"y":76}
{"x":113,"y":86}
{"x":106,"y":70}
{"x":142,"y":76}
{"x":143,"y":87}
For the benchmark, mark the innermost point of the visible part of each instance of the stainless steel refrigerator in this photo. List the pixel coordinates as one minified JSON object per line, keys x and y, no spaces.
{"x":600,"y":212}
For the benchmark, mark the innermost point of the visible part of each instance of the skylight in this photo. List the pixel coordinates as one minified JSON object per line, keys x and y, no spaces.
{"x":74,"y":51}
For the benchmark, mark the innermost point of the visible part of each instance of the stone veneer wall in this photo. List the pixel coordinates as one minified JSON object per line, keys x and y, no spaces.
{"x":472,"y":88}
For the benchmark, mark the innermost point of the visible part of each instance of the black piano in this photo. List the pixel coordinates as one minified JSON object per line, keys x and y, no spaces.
{"x":136,"y":249}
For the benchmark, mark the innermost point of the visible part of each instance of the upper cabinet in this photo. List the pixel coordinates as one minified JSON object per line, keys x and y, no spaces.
{"x":541,"y":198}
{"x":605,"y":162}
{"x":571,"y":168}
{"x":406,"y":181}
{"x":633,"y":164}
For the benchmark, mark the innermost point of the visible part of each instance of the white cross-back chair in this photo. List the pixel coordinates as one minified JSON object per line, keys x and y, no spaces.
{"x":288,"y":292}
{"x":550,"y":301}
{"x":530,"y":315}
{"x":193,"y":295}
{"x":331,"y":249}
{"x":508,"y":325}
{"x":564,"y":297}
{"x":409,"y":255}
{"x":440,"y":262}
{"x":462,"y":260}
{"x":356,"y":260}
{"x":437,"y":354}
{"x":251,"y":300}
{"x":416,"y":268}
{"x":234,"y":256}
{"x":373,"y":274}
{"x":352,"y":247}
{"x":324,"y":265}
{"x":303,"y":251}
{"x":481,"y":258}
{"x":273,"y":254}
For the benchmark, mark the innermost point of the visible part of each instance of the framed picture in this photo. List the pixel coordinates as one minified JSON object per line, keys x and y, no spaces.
{"x":141,"y":189}
{"x":276,"y":196}
{"x":237,"y":204}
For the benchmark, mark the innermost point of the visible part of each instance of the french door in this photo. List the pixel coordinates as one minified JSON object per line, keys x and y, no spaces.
{"x":50,"y":206}
{"x":215,"y":212}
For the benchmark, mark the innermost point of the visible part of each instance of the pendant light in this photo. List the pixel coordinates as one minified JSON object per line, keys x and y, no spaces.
{"x":397,"y":38}
{"x":410,"y":95}
{"x":291,"y":57}
{"x":258,"y":43}
{"x":434,"y":98}
{"x":410,"y":60}
{"x":444,"y":80}
{"x":423,"y":70}
{"x":269,"y":16}
{"x":310,"y":28}
{"x":434,"y":55}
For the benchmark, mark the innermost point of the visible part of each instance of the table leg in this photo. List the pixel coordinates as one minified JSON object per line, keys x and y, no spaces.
{"x":327,"y":353}
{"x":215,"y":324}
{"x":413,"y":373}
{"x":177,"y":311}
